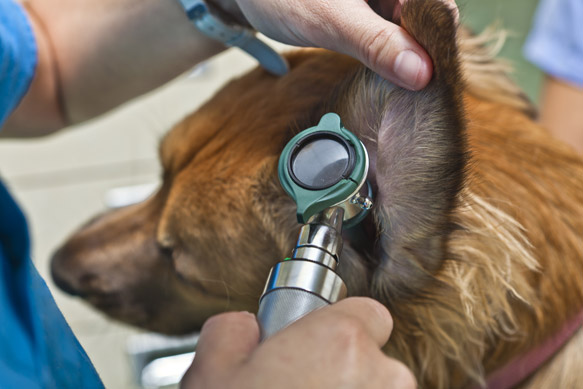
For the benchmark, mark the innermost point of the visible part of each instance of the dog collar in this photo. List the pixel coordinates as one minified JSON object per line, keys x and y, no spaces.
{"x":524,"y":365}
{"x":233,"y":35}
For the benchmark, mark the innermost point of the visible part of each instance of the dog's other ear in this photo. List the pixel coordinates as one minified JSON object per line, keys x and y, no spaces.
{"x":418,"y":153}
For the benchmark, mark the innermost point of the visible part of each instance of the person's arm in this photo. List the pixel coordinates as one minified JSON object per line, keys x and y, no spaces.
{"x":555,"y":46}
{"x":561,"y":111}
{"x":94,"y":55}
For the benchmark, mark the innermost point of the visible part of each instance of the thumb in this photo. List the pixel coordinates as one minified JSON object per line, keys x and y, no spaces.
{"x":226,"y":340}
{"x":383,"y":46}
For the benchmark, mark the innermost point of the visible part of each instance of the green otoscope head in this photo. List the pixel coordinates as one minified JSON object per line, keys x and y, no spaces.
{"x":323,"y":166}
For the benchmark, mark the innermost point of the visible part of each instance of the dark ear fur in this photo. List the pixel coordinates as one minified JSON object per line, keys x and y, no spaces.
{"x":418,"y":154}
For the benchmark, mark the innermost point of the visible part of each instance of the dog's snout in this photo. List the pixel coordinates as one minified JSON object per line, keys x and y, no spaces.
{"x":64,"y":272}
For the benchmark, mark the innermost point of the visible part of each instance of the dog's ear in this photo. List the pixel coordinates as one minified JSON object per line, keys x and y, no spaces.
{"x":417,"y":150}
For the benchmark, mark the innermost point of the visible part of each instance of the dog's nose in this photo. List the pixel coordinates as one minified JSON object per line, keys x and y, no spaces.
{"x":62,"y":272}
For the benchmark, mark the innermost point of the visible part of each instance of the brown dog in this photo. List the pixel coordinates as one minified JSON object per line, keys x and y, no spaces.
{"x":474,"y":243}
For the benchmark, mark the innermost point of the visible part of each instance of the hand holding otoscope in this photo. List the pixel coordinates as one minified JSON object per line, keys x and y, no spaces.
{"x":324,"y":170}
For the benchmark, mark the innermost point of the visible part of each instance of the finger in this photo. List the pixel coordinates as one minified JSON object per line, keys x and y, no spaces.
{"x":374,"y":316}
{"x":388,"y":9}
{"x":397,"y":374}
{"x":381,"y":45}
{"x":362,"y":312}
{"x":225,"y":341}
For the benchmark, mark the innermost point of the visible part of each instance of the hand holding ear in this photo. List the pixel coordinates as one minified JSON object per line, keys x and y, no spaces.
{"x":351,"y":27}
{"x":334,"y":347}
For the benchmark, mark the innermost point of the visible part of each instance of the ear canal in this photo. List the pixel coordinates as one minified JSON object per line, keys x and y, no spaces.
{"x":417,"y":150}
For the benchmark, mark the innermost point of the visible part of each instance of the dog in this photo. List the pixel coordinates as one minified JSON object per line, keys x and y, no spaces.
{"x":474,"y":243}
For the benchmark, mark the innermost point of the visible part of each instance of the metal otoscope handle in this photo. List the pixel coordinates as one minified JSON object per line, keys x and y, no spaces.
{"x":306,"y":281}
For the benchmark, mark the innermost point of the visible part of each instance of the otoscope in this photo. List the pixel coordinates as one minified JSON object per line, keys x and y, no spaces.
{"x":323,"y":169}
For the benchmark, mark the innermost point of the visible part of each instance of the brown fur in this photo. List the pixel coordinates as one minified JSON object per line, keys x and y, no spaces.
{"x":474,"y":243}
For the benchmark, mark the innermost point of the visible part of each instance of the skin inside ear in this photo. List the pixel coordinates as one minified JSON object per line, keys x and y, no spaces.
{"x":418,"y":153}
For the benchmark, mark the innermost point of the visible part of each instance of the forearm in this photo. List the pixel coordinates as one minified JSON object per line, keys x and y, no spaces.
{"x":96,"y":54}
{"x":560,"y":111}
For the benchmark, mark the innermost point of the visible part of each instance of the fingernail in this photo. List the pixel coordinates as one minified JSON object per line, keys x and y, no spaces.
{"x":408,"y":67}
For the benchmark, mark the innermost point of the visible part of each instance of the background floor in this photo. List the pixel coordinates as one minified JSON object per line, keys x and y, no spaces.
{"x":62,"y":180}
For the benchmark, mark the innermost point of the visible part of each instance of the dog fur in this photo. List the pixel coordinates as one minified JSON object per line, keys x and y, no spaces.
{"x":474,"y":243}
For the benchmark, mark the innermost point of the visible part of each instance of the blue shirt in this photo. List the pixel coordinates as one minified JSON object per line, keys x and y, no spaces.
{"x":555,"y":43}
{"x":37,"y":347}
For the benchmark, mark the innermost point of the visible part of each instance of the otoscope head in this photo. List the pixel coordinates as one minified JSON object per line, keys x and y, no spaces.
{"x":324,"y":167}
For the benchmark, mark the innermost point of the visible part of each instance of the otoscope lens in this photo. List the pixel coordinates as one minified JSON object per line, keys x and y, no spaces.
{"x":320,"y":163}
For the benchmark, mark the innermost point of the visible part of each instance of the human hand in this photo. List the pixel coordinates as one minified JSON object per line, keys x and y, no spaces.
{"x":334,"y":347}
{"x":351,"y":27}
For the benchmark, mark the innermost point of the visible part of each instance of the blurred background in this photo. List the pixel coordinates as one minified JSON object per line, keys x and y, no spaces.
{"x":64,"y":179}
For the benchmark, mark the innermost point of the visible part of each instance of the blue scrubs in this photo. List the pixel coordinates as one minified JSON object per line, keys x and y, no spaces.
{"x":37,"y":347}
{"x":555,"y":43}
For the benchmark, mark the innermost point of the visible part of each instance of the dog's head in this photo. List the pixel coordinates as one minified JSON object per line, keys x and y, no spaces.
{"x":205,"y":241}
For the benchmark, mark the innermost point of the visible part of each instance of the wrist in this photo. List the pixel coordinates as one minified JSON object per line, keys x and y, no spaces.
{"x":213,"y":25}
{"x":230,"y":11}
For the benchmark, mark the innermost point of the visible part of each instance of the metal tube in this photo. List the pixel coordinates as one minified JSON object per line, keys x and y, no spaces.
{"x":306,"y":281}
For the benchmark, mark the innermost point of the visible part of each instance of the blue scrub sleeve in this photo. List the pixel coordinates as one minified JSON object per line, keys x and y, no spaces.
{"x":17,"y":56}
{"x":555,"y":43}
{"x":37,"y":347}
